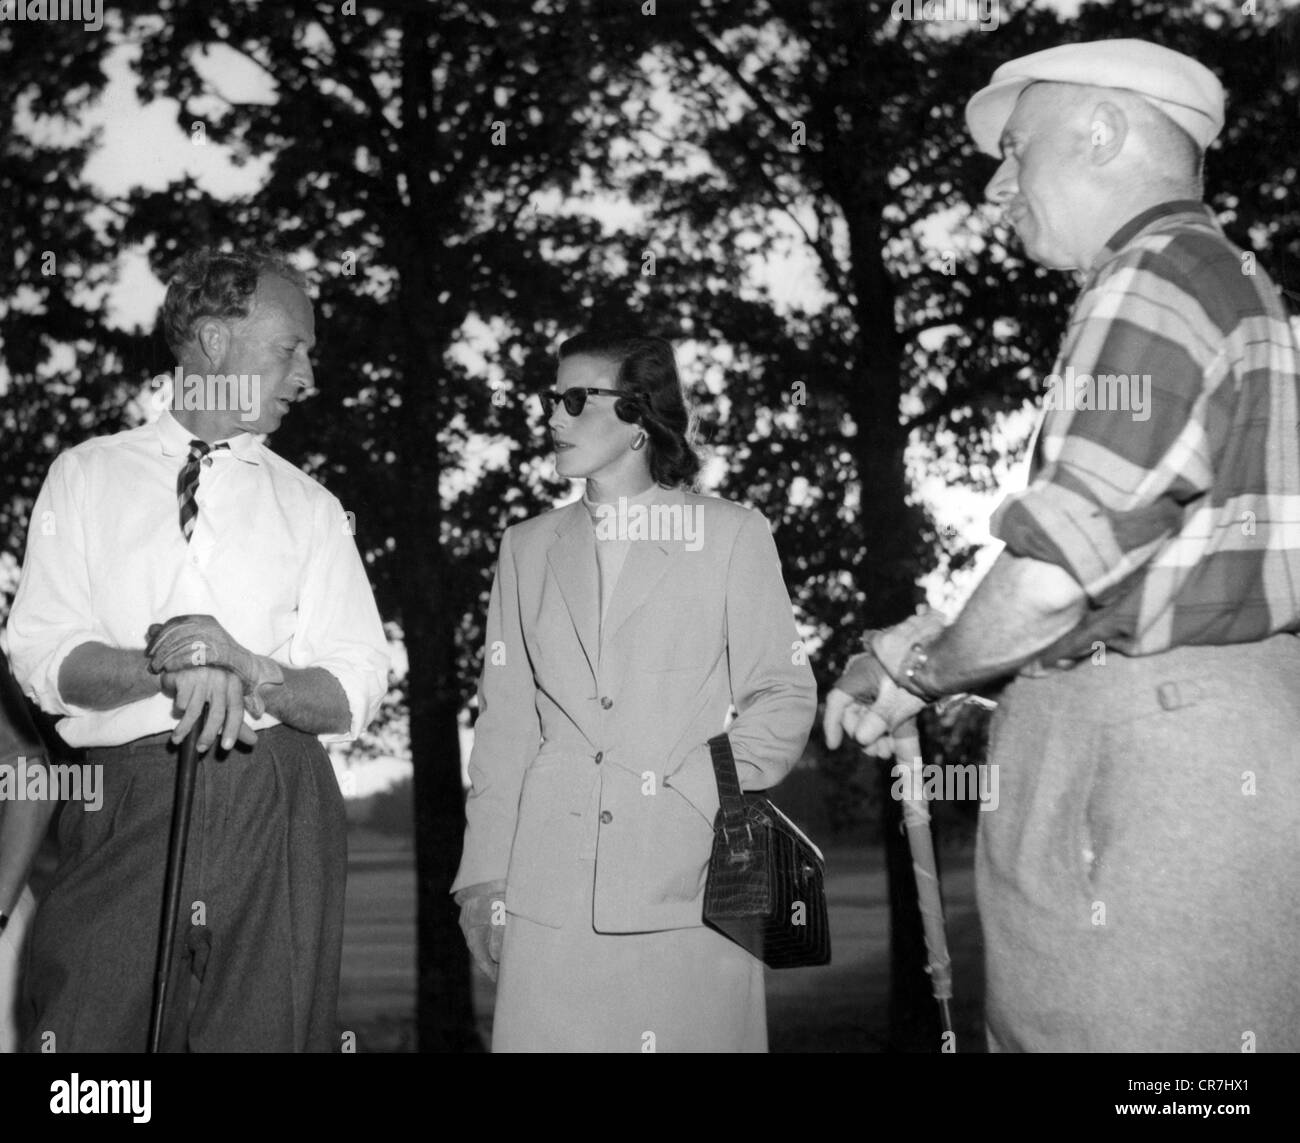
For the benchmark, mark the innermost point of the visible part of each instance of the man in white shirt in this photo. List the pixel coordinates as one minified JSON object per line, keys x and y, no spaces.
{"x":169,"y":567}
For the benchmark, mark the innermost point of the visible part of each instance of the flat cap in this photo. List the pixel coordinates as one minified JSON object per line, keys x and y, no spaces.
{"x":1188,"y":92}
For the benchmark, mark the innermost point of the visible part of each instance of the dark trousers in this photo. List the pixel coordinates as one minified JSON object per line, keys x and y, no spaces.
{"x":256,"y":961}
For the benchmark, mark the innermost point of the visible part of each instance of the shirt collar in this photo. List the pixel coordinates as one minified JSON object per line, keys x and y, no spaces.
{"x":174,"y":439}
{"x":1138,"y":223}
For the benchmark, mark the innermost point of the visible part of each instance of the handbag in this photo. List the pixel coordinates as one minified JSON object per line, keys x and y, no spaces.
{"x":766,"y":880}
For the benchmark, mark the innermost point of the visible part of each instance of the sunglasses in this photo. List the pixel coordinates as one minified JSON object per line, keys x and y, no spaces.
{"x":574,"y":399}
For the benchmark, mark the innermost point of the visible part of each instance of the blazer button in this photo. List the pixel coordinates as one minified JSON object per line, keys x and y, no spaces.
{"x":606,"y":702}
{"x":600,"y":757}
{"x":606,"y":817}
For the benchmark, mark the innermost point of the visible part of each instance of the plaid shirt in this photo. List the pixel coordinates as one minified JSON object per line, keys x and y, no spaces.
{"x":1166,"y":473}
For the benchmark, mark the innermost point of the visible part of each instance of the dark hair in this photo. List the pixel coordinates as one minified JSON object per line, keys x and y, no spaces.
{"x":211,"y":283}
{"x":647,"y":372}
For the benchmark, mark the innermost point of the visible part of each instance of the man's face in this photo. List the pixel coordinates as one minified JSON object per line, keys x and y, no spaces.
{"x":595,"y":443}
{"x":1042,"y":182}
{"x":273,"y":343}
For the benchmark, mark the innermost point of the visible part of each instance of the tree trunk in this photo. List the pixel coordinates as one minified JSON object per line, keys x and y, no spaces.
{"x":889,"y":527}
{"x":444,"y":1006}
{"x":445,"y":1012}
{"x":444,"y":997}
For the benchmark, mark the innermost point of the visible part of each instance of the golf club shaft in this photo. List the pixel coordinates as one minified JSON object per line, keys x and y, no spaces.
{"x":186,"y":771}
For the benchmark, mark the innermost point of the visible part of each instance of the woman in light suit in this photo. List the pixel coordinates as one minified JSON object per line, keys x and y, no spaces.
{"x":620,"y":630}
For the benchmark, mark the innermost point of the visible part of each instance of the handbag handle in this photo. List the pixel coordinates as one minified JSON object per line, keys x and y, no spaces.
{"x":730,"y":799}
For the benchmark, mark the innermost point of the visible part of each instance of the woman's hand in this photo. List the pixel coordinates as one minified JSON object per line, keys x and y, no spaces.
{"x":483,"y":921}
{"x":870,"y":725}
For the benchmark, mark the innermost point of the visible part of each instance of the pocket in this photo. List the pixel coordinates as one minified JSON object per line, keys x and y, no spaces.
{"x":678,"y":633}
{"x":1090,"y":827}
{"x":1170,"y":783}
{"x":1040,"y":844}
{"x":686,"y":807}
{"x":1114,"y":806}
{"x":685,"y":834}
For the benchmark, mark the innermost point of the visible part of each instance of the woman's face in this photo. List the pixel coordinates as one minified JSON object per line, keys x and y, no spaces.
{"x":595,"y":443}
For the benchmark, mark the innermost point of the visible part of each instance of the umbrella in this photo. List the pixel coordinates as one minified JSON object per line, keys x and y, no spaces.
{"x":916,"y":820}
{"x":861,"y":681}
{"x":186,"y":772}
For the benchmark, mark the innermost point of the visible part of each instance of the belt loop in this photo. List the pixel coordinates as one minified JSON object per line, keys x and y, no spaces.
{"x":1173,"y":696}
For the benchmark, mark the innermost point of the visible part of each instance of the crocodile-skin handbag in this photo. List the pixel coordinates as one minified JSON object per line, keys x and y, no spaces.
{"x":765,"y":888}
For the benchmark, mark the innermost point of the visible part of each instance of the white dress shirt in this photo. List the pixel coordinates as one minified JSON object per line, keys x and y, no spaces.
{"x":272,"y":559}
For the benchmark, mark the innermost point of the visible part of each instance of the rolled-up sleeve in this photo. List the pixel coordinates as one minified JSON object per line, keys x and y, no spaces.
{"x":338,"y":627}
{"x":1112,"y":484}
{"x":506,"y":735}
{"x":52,"y":613}
{"x":772,"y":685}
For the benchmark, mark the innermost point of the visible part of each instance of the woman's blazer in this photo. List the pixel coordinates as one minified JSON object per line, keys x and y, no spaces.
{"x":591,"y":739}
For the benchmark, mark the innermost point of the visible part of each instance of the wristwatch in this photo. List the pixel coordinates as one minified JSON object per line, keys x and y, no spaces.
{"x":916,"y":661}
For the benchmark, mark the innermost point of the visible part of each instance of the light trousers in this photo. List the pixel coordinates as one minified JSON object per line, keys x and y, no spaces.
{"x":1139,"y":882}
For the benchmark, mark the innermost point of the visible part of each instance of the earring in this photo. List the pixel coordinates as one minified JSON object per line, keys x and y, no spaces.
{"x":640,"y":440}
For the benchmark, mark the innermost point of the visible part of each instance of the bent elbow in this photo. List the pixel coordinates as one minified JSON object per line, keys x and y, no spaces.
{"x":1053,"y":592}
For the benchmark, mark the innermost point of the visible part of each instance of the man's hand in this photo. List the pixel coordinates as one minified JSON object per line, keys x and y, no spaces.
{"x":859,"y":701}
{"x":223,"y":692}
{"x":200,"y":641}
{"x":483,"y":921}
{"x":892,"y":645}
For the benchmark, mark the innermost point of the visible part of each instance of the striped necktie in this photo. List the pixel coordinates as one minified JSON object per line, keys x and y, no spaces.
{"x":187,"y":484}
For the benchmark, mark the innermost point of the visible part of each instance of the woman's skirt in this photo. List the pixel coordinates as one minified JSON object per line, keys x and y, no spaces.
{"x":573,"y":989}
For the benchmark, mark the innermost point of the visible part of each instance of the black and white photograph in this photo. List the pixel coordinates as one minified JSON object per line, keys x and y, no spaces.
{"x":649,"y":526}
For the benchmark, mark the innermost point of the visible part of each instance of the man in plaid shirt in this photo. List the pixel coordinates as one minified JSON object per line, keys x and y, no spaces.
{"x":1139,"y":885}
